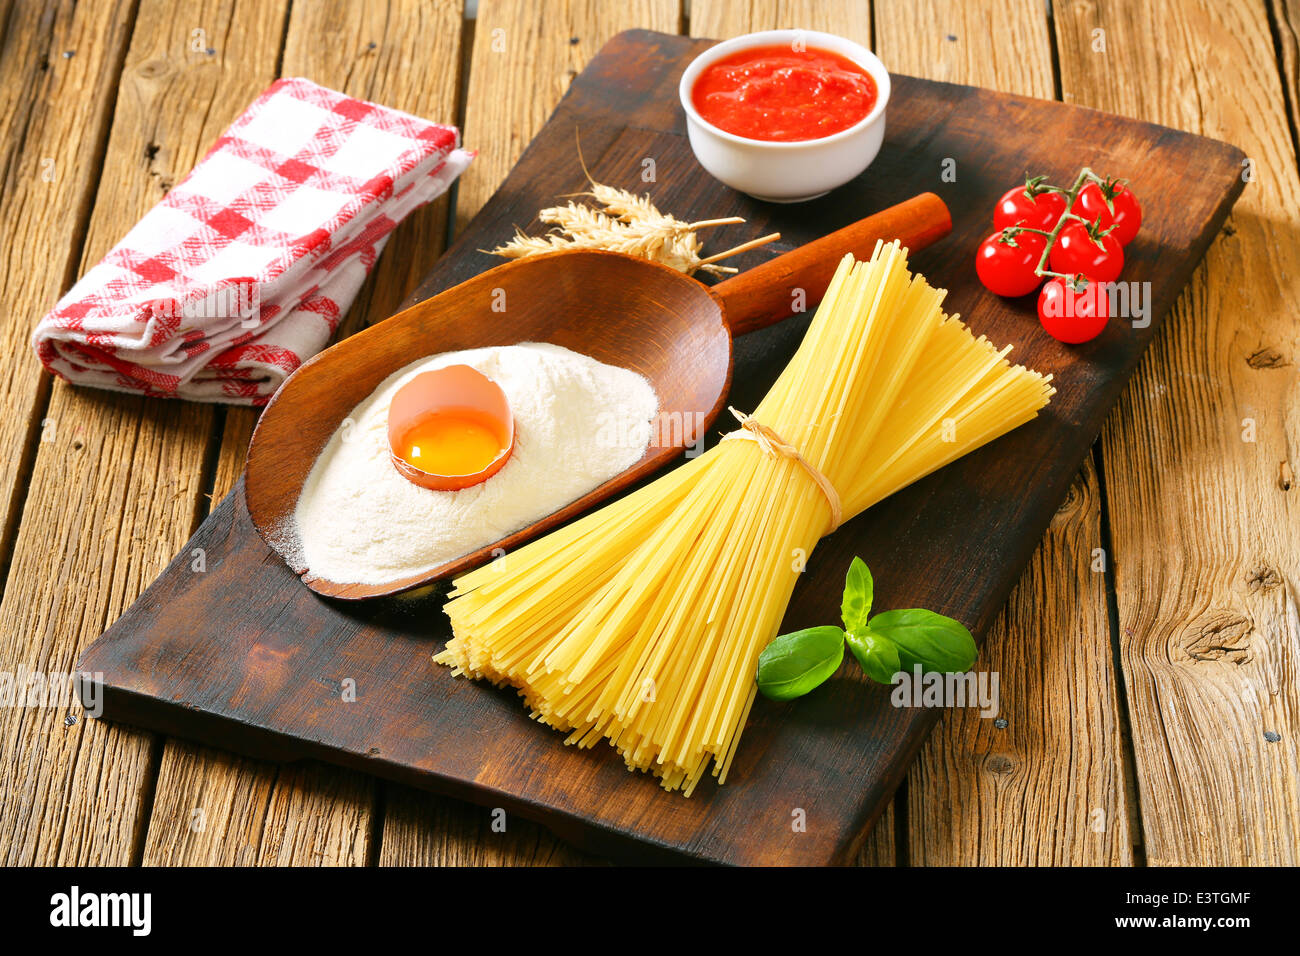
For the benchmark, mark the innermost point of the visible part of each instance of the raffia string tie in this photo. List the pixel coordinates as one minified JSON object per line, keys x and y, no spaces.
{"x":774,"y":446}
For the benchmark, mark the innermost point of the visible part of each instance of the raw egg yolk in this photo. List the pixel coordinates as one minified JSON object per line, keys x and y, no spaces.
{"x":461,"y":442}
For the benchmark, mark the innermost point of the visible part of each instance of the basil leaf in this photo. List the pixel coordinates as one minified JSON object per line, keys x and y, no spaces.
{"x":877,"y":655}
{"x":795,"y":663}
{"x":923,"y":637}
{"x":858,"y":592}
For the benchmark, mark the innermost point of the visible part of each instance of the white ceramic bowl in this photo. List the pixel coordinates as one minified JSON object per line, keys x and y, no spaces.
{"x":786,"y":172}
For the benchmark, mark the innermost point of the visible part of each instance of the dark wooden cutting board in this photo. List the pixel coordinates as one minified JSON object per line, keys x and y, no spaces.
{"x":242,"y":656}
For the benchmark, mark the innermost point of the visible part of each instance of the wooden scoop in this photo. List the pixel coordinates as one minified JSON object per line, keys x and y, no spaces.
{"x":617,"y":309}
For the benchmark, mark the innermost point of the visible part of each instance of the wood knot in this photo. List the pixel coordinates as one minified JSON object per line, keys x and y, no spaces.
{"x":1285,"y":477}
{"x":999,"y":764}
{"x":1074,"y":499}
{"x":1266,"y":357}
{"x":1263,"y":578}
{"x":152,"y":69}
{"x":1219,"y":635}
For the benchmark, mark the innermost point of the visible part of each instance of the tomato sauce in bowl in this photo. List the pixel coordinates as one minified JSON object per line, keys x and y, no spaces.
{"x":779,"y":94}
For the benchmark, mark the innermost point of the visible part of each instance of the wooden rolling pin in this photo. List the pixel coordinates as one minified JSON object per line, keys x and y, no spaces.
{"x":762,"y":296}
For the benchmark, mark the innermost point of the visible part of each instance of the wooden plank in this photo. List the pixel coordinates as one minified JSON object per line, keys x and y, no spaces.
{"x":6,"y":7}
{"x":54,"y":115}
{"x":1205,"y":514}
{"x":215,"y":809}
{"x":423,"y":829}
{"x":236,"y":433}
{"x":1001,"y":44}
{"x":1286,"y":21}
{"x":524,"y":56}
{"x":526,"y":53}
{"x":719,"y":19}
{"x":115,"y":494}
{"x":1048,"y":787}
{"x":404,"y":54}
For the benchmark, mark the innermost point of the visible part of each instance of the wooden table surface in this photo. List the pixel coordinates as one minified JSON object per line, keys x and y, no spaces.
{"x":1148,"y":657}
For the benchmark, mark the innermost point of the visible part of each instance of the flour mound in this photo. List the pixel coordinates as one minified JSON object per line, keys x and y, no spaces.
{"x":578,"y":423}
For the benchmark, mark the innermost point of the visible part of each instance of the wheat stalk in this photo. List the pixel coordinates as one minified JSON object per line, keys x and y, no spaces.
{"x":626,"y":223}
{"x":577,"y":220}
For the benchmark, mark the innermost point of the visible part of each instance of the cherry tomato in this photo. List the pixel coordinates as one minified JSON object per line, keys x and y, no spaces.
{"x":1123,"y":212}
{"x":1005,"y":264}
{"x":1077,"y":253}
{"x":1073,"y":310}
{"x":1039,"y":211}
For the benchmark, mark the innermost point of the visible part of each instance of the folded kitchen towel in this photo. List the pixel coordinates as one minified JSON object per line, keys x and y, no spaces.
{"x":243,"y":271}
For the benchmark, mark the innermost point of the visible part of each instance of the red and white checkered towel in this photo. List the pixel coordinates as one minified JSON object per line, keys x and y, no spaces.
{"x":244,"y":270}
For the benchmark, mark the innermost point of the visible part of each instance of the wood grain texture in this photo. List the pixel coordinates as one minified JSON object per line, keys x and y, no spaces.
{"x":404,"y":54}
{"x":117,"y":491}
{"x":1285,"y":15}
{"x":212,"y":808}
{"x":523,"y":58}
{"x":54,"y":115}
{"x":1000,"y":44}
{"x":526,"y":53}
{"x":720,"y":19}
{"x":1025,"y":794}
{"x":236,"y":433}
{"x":1205,"y":521}
{"x":421,"y":829}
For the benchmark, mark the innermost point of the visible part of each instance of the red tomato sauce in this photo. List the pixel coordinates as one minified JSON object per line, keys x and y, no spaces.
{"x":777,"y":94}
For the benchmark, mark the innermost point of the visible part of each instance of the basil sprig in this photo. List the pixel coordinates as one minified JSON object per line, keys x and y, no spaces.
{"x":883,"y":645}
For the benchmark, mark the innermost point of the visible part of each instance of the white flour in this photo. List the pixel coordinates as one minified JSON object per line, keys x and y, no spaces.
{"x":578,"y":423}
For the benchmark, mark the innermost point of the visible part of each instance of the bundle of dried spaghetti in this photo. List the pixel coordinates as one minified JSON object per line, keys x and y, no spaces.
{"x":642,"y":623}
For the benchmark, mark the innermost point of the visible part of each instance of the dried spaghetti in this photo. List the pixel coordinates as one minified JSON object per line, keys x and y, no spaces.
{"x":642,"y":623}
